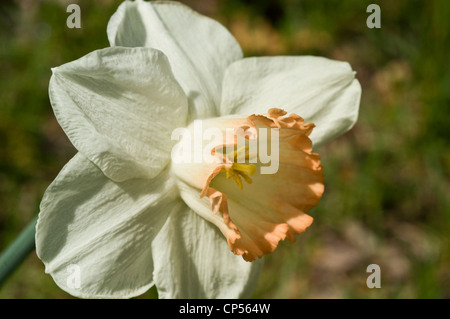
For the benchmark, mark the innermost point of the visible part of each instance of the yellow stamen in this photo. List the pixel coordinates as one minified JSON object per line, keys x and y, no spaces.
{"x":227,"y":171}
{"x":245,"y":177}
{"x":237,"y":180}
{"x":235,"y":154}
{"x":238,"y":171}
{"x":245,"y":168}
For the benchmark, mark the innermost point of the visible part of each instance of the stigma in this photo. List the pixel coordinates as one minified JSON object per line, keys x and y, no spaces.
{"x":240,"y":171}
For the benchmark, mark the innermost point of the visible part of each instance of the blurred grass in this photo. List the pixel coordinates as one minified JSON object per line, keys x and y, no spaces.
{"x":387,"y":180}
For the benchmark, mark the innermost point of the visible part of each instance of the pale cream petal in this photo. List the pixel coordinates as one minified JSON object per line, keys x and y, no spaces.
{"x":95,"y":235}
{"x":322,"y":91}
{"x":192,"y":260}
{"x":199,"y":48}
{"x":119,"y":106}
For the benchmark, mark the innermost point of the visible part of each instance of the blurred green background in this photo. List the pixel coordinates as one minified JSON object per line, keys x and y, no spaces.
{"x":387,"y":181}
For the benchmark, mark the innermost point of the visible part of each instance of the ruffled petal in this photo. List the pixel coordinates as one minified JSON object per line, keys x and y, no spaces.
{"x":320,"y":90}
{"x":118,"y":106}
{"x":94,"y":235}
{"x":273,"y":205}
{"x":265,"y":179}
{"x":199,"y":48}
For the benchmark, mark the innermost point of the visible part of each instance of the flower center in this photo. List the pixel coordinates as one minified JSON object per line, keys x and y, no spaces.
{"x":238,"y":170}
{"x":273,"y":206}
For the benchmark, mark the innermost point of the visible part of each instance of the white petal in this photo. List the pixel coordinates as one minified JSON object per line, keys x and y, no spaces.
{"x":192,"y":260}
{"x":199,"y":48}
{"x":118,"y":106}
{"x":101,"y":230}
{"x":320,"y":90}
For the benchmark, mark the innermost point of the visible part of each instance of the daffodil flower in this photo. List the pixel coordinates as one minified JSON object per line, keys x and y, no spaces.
{"x":127,"y":214}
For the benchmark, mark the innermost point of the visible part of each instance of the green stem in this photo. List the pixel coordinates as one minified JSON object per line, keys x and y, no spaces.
{"x":17,"y":251}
